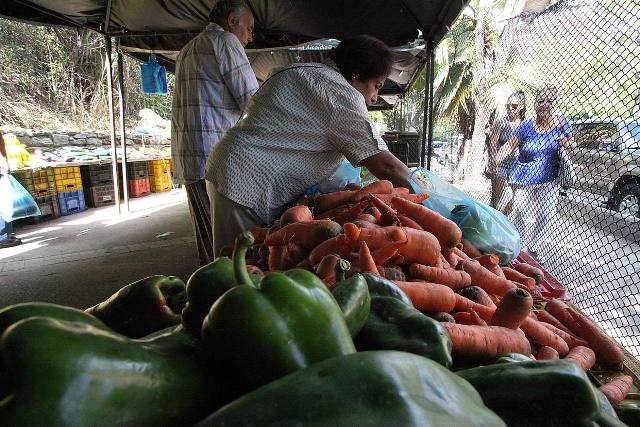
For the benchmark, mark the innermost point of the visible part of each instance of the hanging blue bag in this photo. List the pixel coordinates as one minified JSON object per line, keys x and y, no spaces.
{"x":153,"y":77}
{"x":15,"y":200}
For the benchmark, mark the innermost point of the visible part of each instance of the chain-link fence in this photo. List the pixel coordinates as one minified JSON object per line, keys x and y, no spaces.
{"x":567,"y":75}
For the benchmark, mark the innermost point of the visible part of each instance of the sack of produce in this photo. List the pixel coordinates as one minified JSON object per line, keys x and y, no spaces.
{"x":487,"y":229}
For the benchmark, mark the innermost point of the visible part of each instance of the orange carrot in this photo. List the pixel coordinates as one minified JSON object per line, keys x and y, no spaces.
{"x":477,"y":319}
{"x":388,"y":215}
{"x":367,"y":264}
{"x":285,"y":257}
{"x":365,"y":224}
{"x":259,"y":233}
{"x":375,"y":237}
{"x":376,"y":187}
{"x":445,"y":230}
{"x":558,"y":310}
{"x":401,"y":190}
{"x":337,"y":245}
{"x":617,"y":389}
{"x":464,"y":304}
{"x":391,"y":272}
{"x":607,"y":350}
{"x":441,"y":316}
{"x":460,"y":253}
{"x":385,"y":253}
{"x":582,"y":356}
{"x":421,"y":247}
{"x":413,"y":198}
{"x":463,"y":318}
{"x":455,"y":279}
{"x":545,"y":316}
{"x":469,"y":249}
{"x":333,"y":212}
{"x":326,"y":269}
{"x":298,"y":213}
{"x":352,"y":186}
{"x":408,"y":222}
{"x":537,"y":333}
{"x":513,"y":309}
{"x":516,"y":276}
{"x":308,"y":234}
{"x":372,"y":210}
{"x":488,"y":260}
{"x":547,"y":353}
{"x":482,"y":277}
{"x":363,"y":217}
{"x":478,"y":295}
{"x":531,"y":271}
{"x":443,"y":263}
{"x":427,"y":296}
{"x":485,"y":342}
{"x":328,"y":201}
{"x":351,"y":213}
{"x":452,"y":259}
{"x":571,"y":340}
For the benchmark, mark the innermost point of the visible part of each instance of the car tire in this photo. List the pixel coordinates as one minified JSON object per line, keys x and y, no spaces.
{"x":626,"y":200}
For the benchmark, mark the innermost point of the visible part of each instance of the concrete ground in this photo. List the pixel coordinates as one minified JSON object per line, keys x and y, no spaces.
{"x":82,"y":259}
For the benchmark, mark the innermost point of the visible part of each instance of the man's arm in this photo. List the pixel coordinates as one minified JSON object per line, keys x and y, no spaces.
{"x":237,"y":72}
{"x":385,"y":165}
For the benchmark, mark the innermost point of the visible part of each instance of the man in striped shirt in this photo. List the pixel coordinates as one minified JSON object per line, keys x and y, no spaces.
{"x":213,"y":83}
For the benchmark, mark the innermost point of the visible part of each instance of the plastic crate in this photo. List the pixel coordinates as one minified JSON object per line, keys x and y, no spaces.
{"x":137,"y":170}
{"x":39,"y":182}
{"x":405,"y":146}
{"x":159,"y":167}
{"x":160,"y":183}
{"x":67,"y":179}
{"x":96,"y":175}
{"x":139,"y":187}
{"x":101,"y":195}
{"x":71,"y":202}
{"x":49,"y":208}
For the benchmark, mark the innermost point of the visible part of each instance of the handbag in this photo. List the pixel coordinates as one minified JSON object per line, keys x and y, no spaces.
{"x":16,"y":202}
{"x":566,"y":171}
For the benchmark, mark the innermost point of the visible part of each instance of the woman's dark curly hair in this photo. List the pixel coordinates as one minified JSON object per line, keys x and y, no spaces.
{"x":362,"y":57}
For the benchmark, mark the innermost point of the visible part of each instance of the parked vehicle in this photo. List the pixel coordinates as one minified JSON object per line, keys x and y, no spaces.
{"x":607,"y":161}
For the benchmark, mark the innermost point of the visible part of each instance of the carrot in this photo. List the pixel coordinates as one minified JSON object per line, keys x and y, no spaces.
{"x":617,"y":389}
{"x":571,"y":340}
{"x":558,"y":310}
{"x":367,"y":264}
{"x":486,"y":342}
{"x":285,"y":257}
{"x":385,"y":253}
{"x":421,"y":247}
{"x":513,"y":309}
{"x":363,"y":217}
{"x":298,"y":213}
{"x":372,"y":210}
{"x":326,"y":269}
{"x":427,"y":296}
{"x":460,"y":253}
{"x":365,"y":224}
{"x":545,"y":316}
{"x":401,"y":190}
{"x":452,"y":259}
{"x":478,"y":295}
{"x":391,"y":272}
{"x":377,"y":187}
{"x":531,"y":271}
{"x":463,"y":318}
{"x":336,"y":245}
{"x":307,"y":200}
{"x":413,"y":198}
{"x":482,"y":277}
{"x":536,"y":332}
{"x":445,"y":230}
{"x":606,"y":349}
{"x":375,"y":237}
{"x":582,"y":356}
{"x":388,"y":215}
{"x":488,"y":260}
{"x":516,"y":276}
{"x":259,"y":233}
{"x":305,"y":264}
{"x":443,"y":263}
{"x":477,"y":319}
{"x":441,"y":316}
{"x":331,"y":213}
{"x":328,"y":201}
{"x":352,"y":186}
{"x":308,"y":234}
{"x":454,"y":279}
{"x":352,"y":213}
{"x":405,"y":221}
{"x":469,"y":249}
{"x":464,"y":304}
{"x":547,"y":353}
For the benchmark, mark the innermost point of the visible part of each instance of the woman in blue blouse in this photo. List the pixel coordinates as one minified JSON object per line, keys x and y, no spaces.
{"x":534,"y":174}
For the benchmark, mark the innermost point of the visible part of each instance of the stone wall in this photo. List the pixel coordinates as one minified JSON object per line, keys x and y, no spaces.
{"x":44,"y":138}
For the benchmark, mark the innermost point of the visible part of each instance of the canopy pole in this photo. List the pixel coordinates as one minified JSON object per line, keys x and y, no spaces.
{"x":432,"y":75}
{"x":112,"y":122}
{"x":428,"y":99}
{"x":123,"y":136}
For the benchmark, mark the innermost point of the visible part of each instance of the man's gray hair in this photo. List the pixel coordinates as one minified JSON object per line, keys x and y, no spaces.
{"x":223,"y":8}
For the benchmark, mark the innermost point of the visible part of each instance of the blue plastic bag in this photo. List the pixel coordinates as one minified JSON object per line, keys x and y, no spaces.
{"x":153,"y":77}
{"x":487,"y":229}
{"x":343,"y":175}
{"x":15,"y":200}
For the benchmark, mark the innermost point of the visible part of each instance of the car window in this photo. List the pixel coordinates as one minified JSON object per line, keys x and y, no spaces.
{"x":633,"y":130}
{"x":595,"y":136}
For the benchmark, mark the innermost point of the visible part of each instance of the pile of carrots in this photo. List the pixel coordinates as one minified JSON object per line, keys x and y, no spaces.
{"x":485,"y":307}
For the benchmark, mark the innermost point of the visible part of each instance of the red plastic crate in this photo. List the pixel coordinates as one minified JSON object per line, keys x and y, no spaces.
{"x":139,"y":187}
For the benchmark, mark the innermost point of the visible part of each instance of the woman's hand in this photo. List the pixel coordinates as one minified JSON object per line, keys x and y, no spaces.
{"x":566,"y":141}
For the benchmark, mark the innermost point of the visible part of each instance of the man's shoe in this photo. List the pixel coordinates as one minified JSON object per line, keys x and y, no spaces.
{"x":10,"y":242}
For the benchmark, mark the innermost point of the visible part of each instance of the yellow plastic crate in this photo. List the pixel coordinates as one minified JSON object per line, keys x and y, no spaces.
{"x":160,"y":183}
{"x":159,"y":167}
{"x":67,"y":178}
{"x":39,"y":182}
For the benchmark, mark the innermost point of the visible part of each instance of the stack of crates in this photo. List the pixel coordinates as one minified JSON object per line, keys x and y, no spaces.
{"x":159,"y":176}
{"x":41,"y":185}
{"x":138,"y":179}
{"x":97,"y":181}
{"x":404,"y":145}
{"x":69,"y":187}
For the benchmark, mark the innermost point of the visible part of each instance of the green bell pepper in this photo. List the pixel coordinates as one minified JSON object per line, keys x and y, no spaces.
{"x":393,"y":325}
{"x":206,"y":285}
{"x":68,"y":373}
{"x":513,"y":357}
{"x":352,"y":295}
{"x":375,"y":388}
{"x":257,"y":335}
{"x":143,"y":307}
{"x":629,"y":412}
{"x":552,"y":392}
{"x":381,"y":287}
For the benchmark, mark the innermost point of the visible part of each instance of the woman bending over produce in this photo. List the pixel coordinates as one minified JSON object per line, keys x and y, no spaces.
{"x":299,"y":126}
